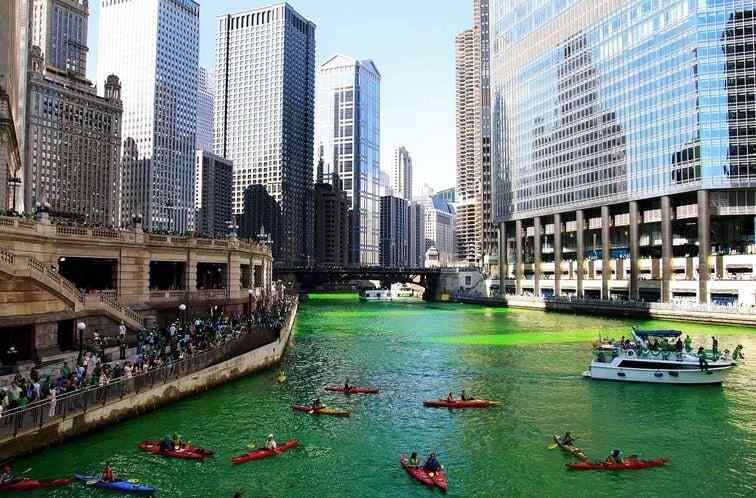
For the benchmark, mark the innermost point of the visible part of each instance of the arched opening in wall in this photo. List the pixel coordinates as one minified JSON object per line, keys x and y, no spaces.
{"x":211,"y":276}
{"x":167,"y":275}
{"x":16,"y":345}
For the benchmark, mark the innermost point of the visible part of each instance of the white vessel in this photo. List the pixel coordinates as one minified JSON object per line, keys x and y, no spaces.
{"x":641,"y":362}
{"x":400,"y":293}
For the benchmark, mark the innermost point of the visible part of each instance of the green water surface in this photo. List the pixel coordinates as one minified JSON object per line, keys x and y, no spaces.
{"x":532,"y":361}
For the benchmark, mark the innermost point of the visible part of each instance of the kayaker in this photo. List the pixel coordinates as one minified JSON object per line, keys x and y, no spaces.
{"x":176,"y":441}
{"x":414,"y":460}
{"x":347,"y":387}
{"x":7,"y":476}
{"x":271,"y":443}
{"x":567,"y":439}
{"x":615,"y":457}
{"x":239,"y":494}
{"x":431,"y":464}
{"x":166,"y":444}
{"x":465,"y":397}
{"x":107,"y":473}
{"x":450,"y":398}
{"x":317,"y":405}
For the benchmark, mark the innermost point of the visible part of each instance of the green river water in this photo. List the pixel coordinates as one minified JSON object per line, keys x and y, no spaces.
{"x":532,"y":361}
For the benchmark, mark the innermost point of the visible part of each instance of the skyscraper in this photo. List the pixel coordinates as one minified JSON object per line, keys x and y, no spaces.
{"x":153,"y":45}
{"x":212,"y":193}
{"x":332,"y":224}
{"x":469,"y":171}
{"x":439,"y":229}
{"x":394,"y":232}
{"x":72,"y":136}
{"x":623,"y":149}
{"x":402,"y":174}
{"x":205,"y":106}
{"x":348,"y":132}
{"x":264,"y":107}
{"x":415,"y":235}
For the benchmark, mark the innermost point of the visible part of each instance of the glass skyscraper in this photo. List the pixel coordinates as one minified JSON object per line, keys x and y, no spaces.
{"x":624,"y":147}
{"x":264,"y":113}
{"x":153,"y":45}
{"x":347,"y":137}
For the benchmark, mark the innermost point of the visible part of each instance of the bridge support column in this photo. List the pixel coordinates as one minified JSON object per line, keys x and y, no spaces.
{"x":580,"y":227}
{"x":519,"y":259}
{"x":557,"y":255}
{"x":537,"y":260}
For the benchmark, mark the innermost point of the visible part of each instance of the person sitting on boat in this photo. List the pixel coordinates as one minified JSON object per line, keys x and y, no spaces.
{"x":271,"y":443}
{"x":450,"y":398}
{"x":317,"y":405}
{"x":688,"y":344}
{"x":347,"y":387}
{"x":7,"y":476}
{"x":431,"y":464}
{"x":679,"y":345}
{"x":567,"y":439}
{"x":107,"y":473}
{"x":414,"y":460}
{"x":464,"y":396}
{"x":166,"y":444}
{"x":702,"y":359}
{"x":176,"y":441}
{"x":615,"y":457}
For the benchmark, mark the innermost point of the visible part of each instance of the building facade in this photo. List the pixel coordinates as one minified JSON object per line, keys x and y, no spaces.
{"x":264,"y":113}
{"x":415,"y":235}
{"x":205,"y":107}
{"x":394,"y":231}
{"x":348,"y":132}
{"x":402,"y":179}
{"x":386,"y":188}
{"x":262,"y":219}
{"x":332,"y":224}
{"x":449,"y":195}
{"x":213,"y":179}
{"x":153,"y":45}
{"x":439,"y":230}
{"x":623,"y":156}
{"x":72,"y":135}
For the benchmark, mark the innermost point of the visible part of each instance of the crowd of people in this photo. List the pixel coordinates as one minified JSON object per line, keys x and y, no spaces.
{"x":155,"y":348}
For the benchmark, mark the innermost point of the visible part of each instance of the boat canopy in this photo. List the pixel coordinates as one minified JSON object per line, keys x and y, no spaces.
{"x":656,"y":333}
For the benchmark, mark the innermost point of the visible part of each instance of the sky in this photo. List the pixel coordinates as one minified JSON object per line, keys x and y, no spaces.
{"x":412,"y":44}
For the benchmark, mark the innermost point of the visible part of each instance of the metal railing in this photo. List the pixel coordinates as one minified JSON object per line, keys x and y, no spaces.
{"x":40,"y":413}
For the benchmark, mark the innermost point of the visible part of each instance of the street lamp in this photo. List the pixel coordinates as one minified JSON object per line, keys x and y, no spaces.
{"x":182,"y":310}
{"x":81,"y":327}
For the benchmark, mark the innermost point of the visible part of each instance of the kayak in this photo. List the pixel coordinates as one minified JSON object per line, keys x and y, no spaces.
{"x":572,"y":450}
{"x":264,"y":453}
{"x":322,"y":411}
{"x":438,"y":479}
{"x":187,"y":452}
{"x":123,"y":486}
{"x":352,"y":390}
{"x":29,"y":484}
{"x":630,"y":464}
{"x":473,"y":403}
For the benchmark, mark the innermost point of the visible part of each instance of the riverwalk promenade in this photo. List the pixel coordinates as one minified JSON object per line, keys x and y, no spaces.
{"x":49,"y":422}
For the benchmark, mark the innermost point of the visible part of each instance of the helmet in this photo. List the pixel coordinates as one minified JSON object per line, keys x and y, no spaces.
{"x":270,"y":436}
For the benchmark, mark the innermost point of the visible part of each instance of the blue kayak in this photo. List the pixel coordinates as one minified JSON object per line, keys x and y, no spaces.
{"x":124,"y":486}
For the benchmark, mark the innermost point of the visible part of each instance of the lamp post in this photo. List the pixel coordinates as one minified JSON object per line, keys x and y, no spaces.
{"x":81,"y":327}
{"x":182,"y":311}
{"x":250,"y":292}
{"x":15,"y":182}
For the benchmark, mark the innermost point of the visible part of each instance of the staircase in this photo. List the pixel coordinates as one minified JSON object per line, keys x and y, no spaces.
{"x":48,"y":277}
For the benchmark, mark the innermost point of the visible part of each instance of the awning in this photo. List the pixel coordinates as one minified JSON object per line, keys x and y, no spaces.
{"x":656,"y":333}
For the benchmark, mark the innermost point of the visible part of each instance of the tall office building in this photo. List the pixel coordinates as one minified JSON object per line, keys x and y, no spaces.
{"x":14,"y":50}
{"x":394,"y":232}
{"x":348,"y":132}
{"x":402,"y":174}
{"x":469,"y":172}
{"x":415,"y":235}
{"x":623,"y":152}
{"x":261,"y":218}
{"x":213,"y":179}
{"x":386,"y":188}
{"x":264,"y":107}
{"x":439,"y":229}
{"x":205,"y":106}
{"x":72,"y":136}
{"x":332,"y":224}
{"x":153,"y":45}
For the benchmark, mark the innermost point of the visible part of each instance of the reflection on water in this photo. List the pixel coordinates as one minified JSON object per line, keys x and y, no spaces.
{"x":531,"y":361}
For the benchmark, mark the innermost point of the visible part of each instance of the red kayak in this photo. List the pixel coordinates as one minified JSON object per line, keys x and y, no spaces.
{"x":630,"y":464}
{"x":29,"y":484}
{"x":186,"y":452}
{"x":264,"y":453}
{"x":473,"y":403}
{"x":352,"y":390}
{"x":438,"y":479}
{"x":321,"y":411}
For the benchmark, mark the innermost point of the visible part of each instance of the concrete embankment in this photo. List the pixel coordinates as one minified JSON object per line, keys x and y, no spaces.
{"x":611,"y":309}
{"x":132,"y":405}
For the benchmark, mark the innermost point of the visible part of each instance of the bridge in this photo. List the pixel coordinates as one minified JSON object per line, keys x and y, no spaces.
{"x":312,"y":278}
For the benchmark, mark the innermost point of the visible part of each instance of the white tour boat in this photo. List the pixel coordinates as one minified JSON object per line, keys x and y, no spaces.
{"x":397,"y":293}
{"x":641,"y":363}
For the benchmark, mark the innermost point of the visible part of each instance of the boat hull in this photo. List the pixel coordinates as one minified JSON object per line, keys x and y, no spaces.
{"x":600,"y":371}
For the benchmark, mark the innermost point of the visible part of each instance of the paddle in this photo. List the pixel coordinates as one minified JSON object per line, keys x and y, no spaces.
{"x":26,"y":471}
{"x":252,"y":445}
